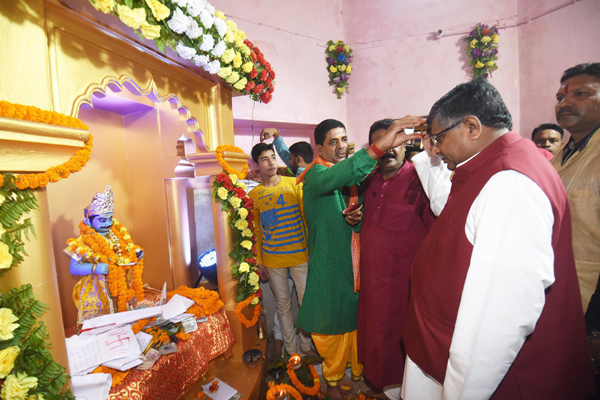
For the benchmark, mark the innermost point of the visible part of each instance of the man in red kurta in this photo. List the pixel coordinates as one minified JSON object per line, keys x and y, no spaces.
{"x":396,"y":219}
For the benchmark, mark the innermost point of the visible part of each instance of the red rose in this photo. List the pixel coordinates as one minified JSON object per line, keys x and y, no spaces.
{"x":248,"y":203}
{"x":239,"y":192}
{"x":265,"y":97}
{"x":251,"y":223}
{"x":259,"y":293}
{"x":250,"y":216}
{"x":258,"y":89}
{"x":272,"y":74}
{"x":251,"y":260}
{"x":254,"y":250}
{"x":228,"y":185}
{"x":268,"y":81}
{"x":222,"y":178}
{"x":253,"y":73}
{"x":340,"y":49}
{"x":271,"y":89}
{"x":253,"y":55}
{"x":248,"y":43}
{"x":249,"y":85}
{"x":264,"y":75}
{"x":485,"y":32}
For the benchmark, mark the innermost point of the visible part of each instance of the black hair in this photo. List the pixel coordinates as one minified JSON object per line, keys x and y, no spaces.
{"x":543,"y":127}
{"x":377,"y":125}
{"x":478,"y":98}
{"x":304,"y":150}
{"x":324,"y":127}
{"x":587,"y":68}
{"x":260,"y":148}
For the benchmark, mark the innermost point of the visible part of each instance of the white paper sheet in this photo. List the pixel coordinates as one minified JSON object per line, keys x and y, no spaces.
{"x":223,"y":393}
{"x":143,"y":340}
{"x":181,"y":317}
{"x":177,"y":305}
{"x":163,"y":295}
{"x":123,"y":364}
{"x":96,"y":350}
{"x":91,"y":387}
{"x":122,"y":318}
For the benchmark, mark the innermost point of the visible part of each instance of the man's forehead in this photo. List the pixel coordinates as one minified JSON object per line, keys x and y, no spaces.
{"x":579,"y":81}
{"x":335,"y":133}
{"x":548,"y":132}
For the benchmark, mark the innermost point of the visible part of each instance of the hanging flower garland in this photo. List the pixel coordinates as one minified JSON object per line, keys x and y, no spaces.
{"x":228,"y":168}
{"x":276,"y":388}
{"x":197,"y":32}
{"x":230,"y":192}
{"x":482,"y":48}
{"x":92,"y":247}
{"x":339,"y":57}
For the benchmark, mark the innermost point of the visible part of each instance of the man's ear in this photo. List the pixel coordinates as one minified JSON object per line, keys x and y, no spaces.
{"x":319,"y":150}
{"x":474,"y":126}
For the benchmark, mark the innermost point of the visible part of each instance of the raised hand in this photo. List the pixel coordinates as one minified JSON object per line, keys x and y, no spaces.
{"x":395,"y":134}
{"x":268,"y":133}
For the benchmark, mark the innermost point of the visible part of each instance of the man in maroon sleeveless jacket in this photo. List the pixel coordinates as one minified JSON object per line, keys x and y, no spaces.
{"x":494,"y":309}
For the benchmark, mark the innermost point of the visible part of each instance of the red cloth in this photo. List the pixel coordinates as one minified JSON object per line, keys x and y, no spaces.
{"x":554,"y":361}
{"x":396,"y":218}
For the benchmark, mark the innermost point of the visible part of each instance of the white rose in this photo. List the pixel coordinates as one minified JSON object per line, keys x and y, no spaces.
{"x":201,"y":60}
{"x":208,"y":42}
{"x":213,"y":67}
{"x":179,"y":22}
{"x":219,"y":49}
{"x":210,"y":9}
{"x":220,"y":25}
{"x":207,"y":19}
{"x":193,"y":31}
{"x":184,"y":51}
{"x":194,"y":7}
{"x":180,"y":3}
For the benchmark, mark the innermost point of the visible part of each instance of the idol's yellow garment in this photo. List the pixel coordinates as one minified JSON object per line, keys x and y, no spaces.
{"x":581,"y":177}
{"x":339,"y":352}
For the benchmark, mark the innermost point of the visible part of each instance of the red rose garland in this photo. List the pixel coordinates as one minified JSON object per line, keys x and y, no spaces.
{"x":261,"y":83}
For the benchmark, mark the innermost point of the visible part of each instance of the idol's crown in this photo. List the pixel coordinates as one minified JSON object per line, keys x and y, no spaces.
{"x":103,"y":203}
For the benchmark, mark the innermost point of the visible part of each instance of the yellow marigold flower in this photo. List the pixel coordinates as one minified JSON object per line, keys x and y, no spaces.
{"x":132,"y":18}
{"x":126,"y":237}
{"x":222,"y":193}
{"x":242,"y":34}
{"x":254,"y":301}
{"x":229,"y":36}
{"x":348,"y":69}
{"x":495,"y":39}
{"x":106,"y":6}
{"x":123,"y":229}
{"x":224,"y":72}
{"x":237,"y":60}
{"x":243,"y":213}
{"x":333,"y":69}
{"x":479,"y":64}
{"x":253,"y":278}
{"x":246,"y":244}
{"x":241,"y":185}
{"x":244,"y":267}
{"x":341,"y":67}
{"x":228,"y":56}
{"x":232,"y":25}
{"x":236,"y":203}
{"x":490,"y":63}
{"x":473,"y":43}
{"x":219,"y":14}
{"x":245,"y":50}
{"x":247,"y":67}
{"x":159,"y":10}
{"x":6,"y":323}
{"x":241,"y":84}
{"x":346,"y":48}
{"x":486,"y":39}
{"x":332,"y":47}
{"x":233,"y":78}
{"x":238,"y":40}
{"x":129,"y":247}
{"x":241,"y":224}
{"x":150,"y":31}
{"x":17,"y":385}
{"x":247,"y":233}
{"x":7,"y":360}
{"x":115,"y":222}
{"x":233,"y":178}
{"x":340,"y":89}
{"x":6,"y":258}
{"x":79,"y":249}
{"x":256,"y":287}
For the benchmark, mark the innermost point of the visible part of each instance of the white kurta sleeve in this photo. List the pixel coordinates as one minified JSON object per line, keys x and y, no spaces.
{"x":435,"y":179}
{"x":510,"y":227}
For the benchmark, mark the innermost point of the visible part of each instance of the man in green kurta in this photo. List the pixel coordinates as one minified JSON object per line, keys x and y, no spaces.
{"x":330,"y":306}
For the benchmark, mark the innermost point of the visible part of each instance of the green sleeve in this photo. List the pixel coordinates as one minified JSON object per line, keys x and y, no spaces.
{"x":345,"y":173}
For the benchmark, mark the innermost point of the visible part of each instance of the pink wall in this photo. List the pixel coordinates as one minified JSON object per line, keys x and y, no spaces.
{"x":549,"y":45}
{"x":400,"y":68}
{"x":290,"y":34}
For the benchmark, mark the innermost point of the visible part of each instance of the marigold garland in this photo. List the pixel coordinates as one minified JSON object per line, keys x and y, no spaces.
{"x":242,"y":318}
{"x":182,"y":335}
{"x":228,"y":168}
{"x":290,"y":389}
{"x":54,"y":174}
{"x":207,"y":302}
{"x":95,"y":248}
{"x":310,"y":391}
{"x":117,"y":376}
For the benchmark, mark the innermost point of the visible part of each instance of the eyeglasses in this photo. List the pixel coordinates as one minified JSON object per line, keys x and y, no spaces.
{"x":435,"y":139}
